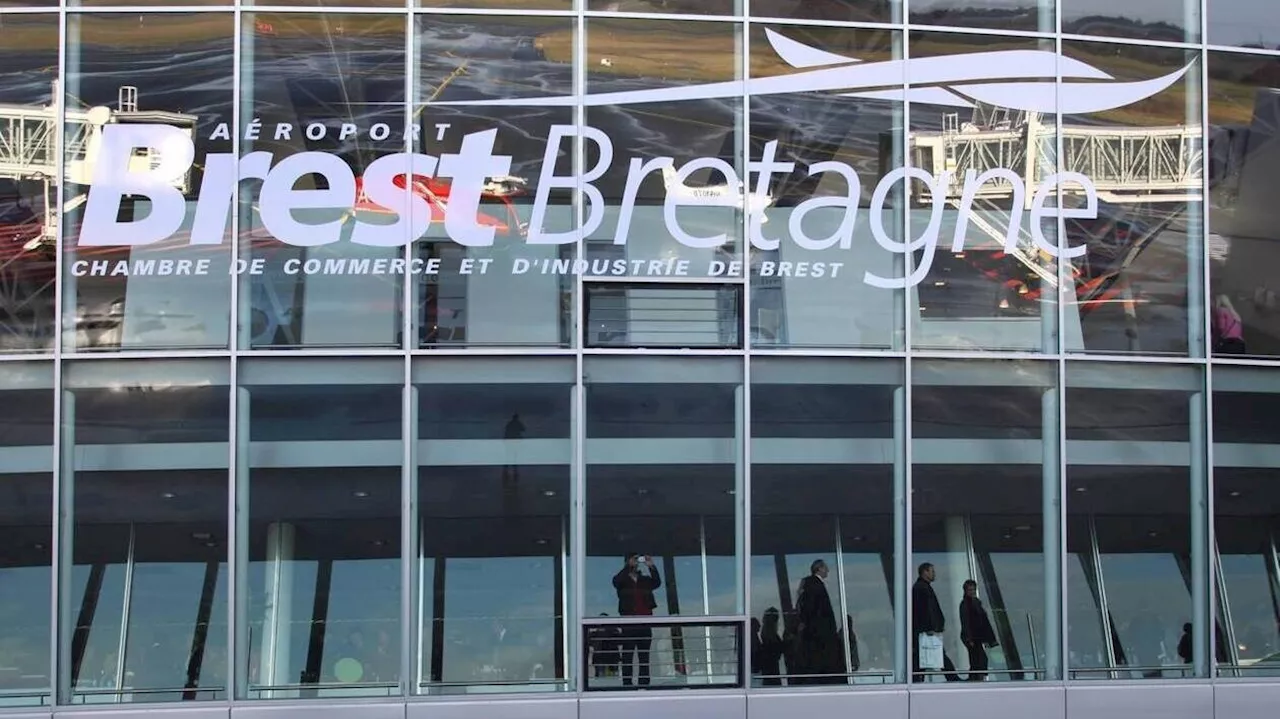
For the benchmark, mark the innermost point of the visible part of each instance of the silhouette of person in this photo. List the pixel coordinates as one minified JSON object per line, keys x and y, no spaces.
{"x":927,"y":619}
{"x":771,"y":648}
{"x":975,"y":631}
{"x":635,"y":598}
{"x":819,"y":633}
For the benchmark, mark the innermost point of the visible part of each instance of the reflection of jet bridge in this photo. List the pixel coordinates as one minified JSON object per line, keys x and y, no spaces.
{"x":30,"y":151}
{"x":1127,"y":165}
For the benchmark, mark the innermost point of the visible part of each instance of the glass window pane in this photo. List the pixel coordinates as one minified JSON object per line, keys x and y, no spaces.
{"x":26,"y":532}
{"x":1133,"y":433}
{"x":499,"y":4}
{"x":810,"y":259}
{"x":148,"y":537}
{"x":984,"y":470}
{"x":1247,"y":506}
{"x":329,"y":92}
{"x":319,"y":460}
{"x":138,"y":273}
{"x":1244,"y":24}
{"x":835,"y":10}
{"x":514,"y":292}
{"x":665,"y":151}
{"x":995,"y":14}
{"x":1162,"y":20}
{"x":1243,"y":107}
{"x":663,"y":476}
{"x":981,"y":294}
{"x":826,"y":448}
{"x":494,"y":458}
{"x":28,"y":204}
{"x":1137,"y":278}
{"x":687,"y":7}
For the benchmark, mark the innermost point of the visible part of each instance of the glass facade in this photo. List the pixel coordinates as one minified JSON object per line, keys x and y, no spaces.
{"x":387,"y":349}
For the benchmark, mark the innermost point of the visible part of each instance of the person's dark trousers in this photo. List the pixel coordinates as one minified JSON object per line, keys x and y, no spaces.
{"x":917,"y":674}
{"x":635,"y":640}
{"x":977,"y":662}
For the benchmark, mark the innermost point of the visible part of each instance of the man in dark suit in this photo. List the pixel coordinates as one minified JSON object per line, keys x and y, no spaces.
{"x":819,"y":633}
{"x":927,"y":619}
{"x":975,"y":631}
{"x":635,"y":599}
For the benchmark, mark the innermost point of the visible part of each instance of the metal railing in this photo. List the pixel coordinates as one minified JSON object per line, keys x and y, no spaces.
{"x":637,"y":653}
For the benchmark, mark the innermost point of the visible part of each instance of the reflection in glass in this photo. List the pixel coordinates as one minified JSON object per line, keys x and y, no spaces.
{"x":513,"y":292}
{"x":1243,"y":24}
{"x":145,"y":611}
{"x":807,"y":261}
{"x":826,"y":449}
{"x":494,"y":459}
{"x":1137,"y":283}
{"x":663,"y":479}
{"x":499,"y":4}
{"x":685,"y":7}
{"x":632,"y":236}
{"x":982,"y":294}
{"x":995,"y":14}
{"x":984,"y":497}
{"x":1135,"y":469}
{"x":28,"y":205}
{"x":165,"y":291}
{"x":26,"y":532}
{"x":834,"y":10}
{"x":319,"y":459}
{"x":654,"y":315}
{"x":1161,"y":20}
{"x":1247,"y":521}
{"x":332,"y":84}
{"x":1243,"y":104}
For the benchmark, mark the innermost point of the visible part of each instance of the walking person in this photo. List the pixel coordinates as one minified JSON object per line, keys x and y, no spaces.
{"x":975,"y":631}
{"x":927,"y":620}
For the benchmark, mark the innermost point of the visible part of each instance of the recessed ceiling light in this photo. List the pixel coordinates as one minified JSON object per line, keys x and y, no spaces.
{"x":548,"y":493}
{"x":168,"y":495}
{"x":540,"y":542}
{"x":1081,"y":489}
{"x":1235,"y":494}
{"x":359,"y":495}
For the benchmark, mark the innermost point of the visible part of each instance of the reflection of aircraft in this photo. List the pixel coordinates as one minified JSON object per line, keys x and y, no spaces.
{"x":754,"y":204}
{"x":436,"y":193}
{"x":994,"y":77}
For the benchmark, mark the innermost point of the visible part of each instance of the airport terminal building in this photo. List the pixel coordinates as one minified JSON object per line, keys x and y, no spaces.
{"x":546,"y":359}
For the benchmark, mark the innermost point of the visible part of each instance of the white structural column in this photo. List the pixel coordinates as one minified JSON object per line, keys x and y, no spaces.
{"x":1051,"y":503}
{"x":274,"y":644}
{"x":1203,"y":636}
{"x":903,"y":573}
{"x":948,"y":587}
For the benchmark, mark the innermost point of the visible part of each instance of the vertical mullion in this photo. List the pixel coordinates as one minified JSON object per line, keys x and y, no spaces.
{"x":57,"y":567}
{"x":742,"y":496}
{"x":903,"y":543}
{"x":576,"y":657}
{"x":410,"y":630}
{"x":1206,"y":339}
{"x":234,"y":607}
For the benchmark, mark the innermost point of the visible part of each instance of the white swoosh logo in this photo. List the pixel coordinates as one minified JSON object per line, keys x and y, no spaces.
{"x":955,"y":80}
